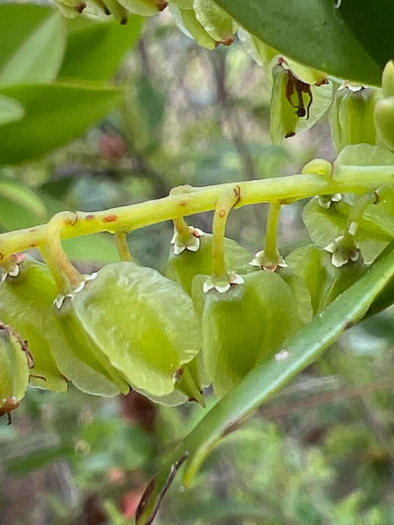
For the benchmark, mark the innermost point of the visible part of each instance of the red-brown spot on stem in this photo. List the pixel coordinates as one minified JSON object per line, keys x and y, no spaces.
{"x":183,"y":203}
{"x":237,"y":193}
{"x":89,"y":217}
{"x":222,"y":213}
{"x":110,"y":218}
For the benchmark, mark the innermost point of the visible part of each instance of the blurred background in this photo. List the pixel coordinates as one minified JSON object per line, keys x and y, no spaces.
{"x":321,"y":452}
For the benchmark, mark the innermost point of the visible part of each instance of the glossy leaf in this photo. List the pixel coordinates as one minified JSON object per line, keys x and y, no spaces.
{"x":39,"y":55}
{"x":147,"y":341}
{"x":311,"y":32}
{"x":95,"y":49}
{"x":371,"y":23}
{"x":10,"y":110}
{"x":54,"y":114}
{"x":266,"y":379}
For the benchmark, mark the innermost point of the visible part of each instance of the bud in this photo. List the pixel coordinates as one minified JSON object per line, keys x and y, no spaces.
{"x":388,"y":79}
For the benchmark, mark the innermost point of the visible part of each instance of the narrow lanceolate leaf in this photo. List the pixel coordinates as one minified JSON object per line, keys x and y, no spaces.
{"x":267,"y":378}
{"x":54,"y":114}
{"x":39,"y":55}
{"x":94,"y":50}
{"x":311,"y":32}
{"x":10,"y":110}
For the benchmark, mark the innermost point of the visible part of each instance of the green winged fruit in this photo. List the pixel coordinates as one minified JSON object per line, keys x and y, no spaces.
{"x":25,"y":294}
{"x":188,"y":260}
{"x":143,"y":322}
{"x":245,"y":325}
{"x":26,"y":304}
{"x":216,"y":22}
{"x":14,"y":370}
{"x":352,"y":116}
{"x":187,"y":22}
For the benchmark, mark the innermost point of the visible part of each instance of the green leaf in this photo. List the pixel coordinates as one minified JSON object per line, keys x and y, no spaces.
{"x":24,"y":196}
{"x":17,"y":21}
{"x":311,"y":32}
{"x":266,"y":379}
{"x":372,"y":24}
{"x":55,"y":114}
{"x":94,"y":49}
{"x":10,"y":110}
{"x":39,"y":55}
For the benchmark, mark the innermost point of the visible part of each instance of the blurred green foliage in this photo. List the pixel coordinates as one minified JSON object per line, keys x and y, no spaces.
{"x":322,"y":452}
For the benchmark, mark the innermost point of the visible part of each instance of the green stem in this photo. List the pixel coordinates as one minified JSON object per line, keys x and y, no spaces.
{"x":59,"y":257}
{"x":123,"y":247}
{"x":357,"y":210}
{"x":225,"y":202}
{"x":348,"y":179}
{"x":61,"y":282}
{"x":271,"y":236}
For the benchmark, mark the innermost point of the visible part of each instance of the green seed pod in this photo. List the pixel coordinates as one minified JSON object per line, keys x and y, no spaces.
{"x":125,"y":311}
{"x":183,"y":267}
{"x":300,"y":291}
{"x":182,"y":4}
{"x":26,"y":304}
{"x":345,"y":277}
{"x":351,"y":116}
{"x":246,"y":325}
{"x":14,"y":370}
{"x":283,"y":117}
{"x":384,"y":121}
{"x":117,"y":10}
{"x":216,"y":22}
{"x":324,"y":281}
{"x":311,"y":263}
{"x":70,"y":8}
{"x":187,"y":22}
{"x":388,"y":79}
{"x":24,"y":300}
{"x":141,"y":7}
{"x":86,"y":350}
